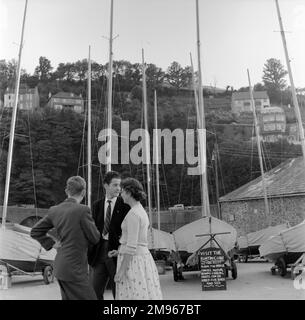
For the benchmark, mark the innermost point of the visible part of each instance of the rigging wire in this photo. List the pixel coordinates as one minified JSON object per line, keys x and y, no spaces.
{"x":82,"y":145}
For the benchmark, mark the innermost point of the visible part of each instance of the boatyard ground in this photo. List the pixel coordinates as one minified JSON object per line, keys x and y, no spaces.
{"x":254,"y":282}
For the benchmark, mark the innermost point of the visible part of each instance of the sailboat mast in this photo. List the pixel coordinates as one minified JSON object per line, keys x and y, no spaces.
{"x":258,"y":139}
{"x":293,"y":91}
{"x":13,"y":124}
{"x":89,"y":182}
{"x":109,"y":114}
{"x":147,"y":146}
{"x":157,"y":160}
{"x":195,"y":94}
{"x":204,"y":189}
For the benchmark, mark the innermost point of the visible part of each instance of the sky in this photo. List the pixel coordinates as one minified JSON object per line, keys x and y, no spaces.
{"x":235,"y":35}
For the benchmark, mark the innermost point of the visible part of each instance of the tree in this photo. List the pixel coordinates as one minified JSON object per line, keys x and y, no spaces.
{"x":259,"y":87}
{"x":65,"y":71}
{"x":177,"y":76}
{"x":154,"y":76}
{"x":274,"y":79}
{"x":43,"y":70}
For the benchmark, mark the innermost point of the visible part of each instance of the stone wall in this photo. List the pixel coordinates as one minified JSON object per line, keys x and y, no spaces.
{"x":249,"y":216}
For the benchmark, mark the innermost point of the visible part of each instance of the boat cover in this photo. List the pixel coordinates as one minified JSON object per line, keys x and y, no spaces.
{"x":16,"y":244}
{"x":258,"y":237}
{"x":186,"y":237}
{"x":289,"y":240}
{"x":161,"y":240}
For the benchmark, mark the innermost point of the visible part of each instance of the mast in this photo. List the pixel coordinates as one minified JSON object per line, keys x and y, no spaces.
{"x":157,"y":161}
{"x":147,"y":146}
{"x":89,"y":132}
{"x":258,"y":139}
{"x":293,"y":91}
{"x":204,"y":189}
{"x":216,"y":178}
{"x":13,"y":124}
{"x":109,"y":113}
{"x":195,"y":94}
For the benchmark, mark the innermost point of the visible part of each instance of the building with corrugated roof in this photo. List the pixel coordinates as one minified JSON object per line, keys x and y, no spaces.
{"x":244,"y":207}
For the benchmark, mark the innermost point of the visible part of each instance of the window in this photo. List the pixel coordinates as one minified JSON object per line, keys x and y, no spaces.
{"x":247,"y":104}
{"x":269,"y":127}
{"x":58,"y":106}
{"x":279,"y":126}
{"x":279,"y":117}
{"x":258,"y":103}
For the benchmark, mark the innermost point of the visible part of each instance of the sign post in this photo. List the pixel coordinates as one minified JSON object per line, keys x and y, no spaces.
{"x":212,"y":269}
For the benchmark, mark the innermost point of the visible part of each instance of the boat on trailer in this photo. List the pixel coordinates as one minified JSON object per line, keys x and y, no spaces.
{"x":200,"y":234}
{"x":20,"y":254}
{"x":248,"y":245}
{"x":286,"y":249}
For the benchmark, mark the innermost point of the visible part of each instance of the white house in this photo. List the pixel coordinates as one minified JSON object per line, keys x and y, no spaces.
{"x":241,"y":102}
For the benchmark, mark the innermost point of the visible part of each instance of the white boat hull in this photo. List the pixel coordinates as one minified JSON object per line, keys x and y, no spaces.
{"x":19,"y":250}
{"x":291,"y":240}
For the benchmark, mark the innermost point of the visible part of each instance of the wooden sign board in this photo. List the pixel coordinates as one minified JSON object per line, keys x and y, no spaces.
{"x":212,"y":269}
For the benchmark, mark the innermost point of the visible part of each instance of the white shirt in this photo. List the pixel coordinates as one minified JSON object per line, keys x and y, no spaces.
{"x":112,"y":203}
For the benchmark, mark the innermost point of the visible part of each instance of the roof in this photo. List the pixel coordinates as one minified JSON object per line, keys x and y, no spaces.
{"x":246,"y":95}
{"x":66,"y":95}
{"x":272,"y":110}
{"x":21,"y":91}
{"x":287,"y":179}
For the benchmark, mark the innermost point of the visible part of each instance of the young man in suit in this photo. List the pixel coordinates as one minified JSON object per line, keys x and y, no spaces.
{"x":75,"y":230}
{"x":108,"y":214}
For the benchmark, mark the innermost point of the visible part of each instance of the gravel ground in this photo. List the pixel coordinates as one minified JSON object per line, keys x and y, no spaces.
{"x":254,"y":282}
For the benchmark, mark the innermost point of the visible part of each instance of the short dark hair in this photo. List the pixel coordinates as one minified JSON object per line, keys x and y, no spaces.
{"x":134,"y":187}
{"x":75,"y":185}
{"x":111,"y":175}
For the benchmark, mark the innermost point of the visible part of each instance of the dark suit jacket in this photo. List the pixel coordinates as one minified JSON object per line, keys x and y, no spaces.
{"x":119,"y":212}
{"x":75,"y":230}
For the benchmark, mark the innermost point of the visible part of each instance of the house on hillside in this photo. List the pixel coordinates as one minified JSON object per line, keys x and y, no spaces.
{"x":66,"y":100}
{"x":272,"y":124}
{"x":244,"y":208}
{"x":28,"y":98}
{"x":241,"y":102}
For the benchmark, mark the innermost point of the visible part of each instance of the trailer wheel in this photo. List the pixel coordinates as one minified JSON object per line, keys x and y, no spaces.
{"x":234,"y":270}
{"x":281,"y":265}
{"x":48,"y":276}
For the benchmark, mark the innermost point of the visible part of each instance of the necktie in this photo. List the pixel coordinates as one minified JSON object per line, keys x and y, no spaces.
{"x":108,"y":218}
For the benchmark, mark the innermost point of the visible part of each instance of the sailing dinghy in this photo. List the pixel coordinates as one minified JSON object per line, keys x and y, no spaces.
{"x":22,"y":254}
{"x":248,"y":245}
{"x":285,"y":248}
